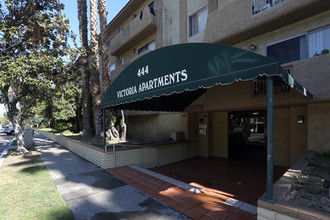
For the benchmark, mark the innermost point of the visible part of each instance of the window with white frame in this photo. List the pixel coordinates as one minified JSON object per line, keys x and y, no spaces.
{"x":306,"y":45}
{"x":150,"y":46}
{"x":197,"y":22}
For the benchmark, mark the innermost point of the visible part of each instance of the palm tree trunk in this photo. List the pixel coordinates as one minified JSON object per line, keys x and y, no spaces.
{"x":86,"y":99}
{"x":123,"y":127}
{"x":103,"y":45}
{"x":94,"y":66}
{"x":105,"y":66}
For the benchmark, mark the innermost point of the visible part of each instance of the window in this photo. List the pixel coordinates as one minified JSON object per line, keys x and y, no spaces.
{"x":289,"y":50}
{"x":121,"y":61}
{"x":197,"y":22}
{"x":112,"y":67}
{"x":150,"y":46}
{"x":108,"y":44}
{"x":152,"y":7}
{"x":300,"y":47}
{"x":318,"y":41}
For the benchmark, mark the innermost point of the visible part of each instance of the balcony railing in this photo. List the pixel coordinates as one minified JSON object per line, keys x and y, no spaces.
{"x":142,"y":26}
{"x":260,"y":85}
{"x":225,"y":27}
{"x":262,"y":5}
{"x":115,"y":72}
{"x":312,"y":73}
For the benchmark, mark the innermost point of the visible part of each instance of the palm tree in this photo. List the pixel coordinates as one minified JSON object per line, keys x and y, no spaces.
{"x":114,"y":133}
{"x":103,"y":45}
{"x":86,"y":99}
{"x":94,"y":67}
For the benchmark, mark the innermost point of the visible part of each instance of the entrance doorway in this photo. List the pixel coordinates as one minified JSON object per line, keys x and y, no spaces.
{"x":247,"y":135}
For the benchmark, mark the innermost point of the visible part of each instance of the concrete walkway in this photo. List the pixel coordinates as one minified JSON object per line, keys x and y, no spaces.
{"x":92,"y":193}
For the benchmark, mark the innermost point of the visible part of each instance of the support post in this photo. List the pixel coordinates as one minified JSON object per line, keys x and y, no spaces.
{"x":104,"y":135}
{"x":270,"y":140}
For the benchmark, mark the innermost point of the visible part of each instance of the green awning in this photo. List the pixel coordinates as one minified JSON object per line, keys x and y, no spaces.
{"x":170,"y":78}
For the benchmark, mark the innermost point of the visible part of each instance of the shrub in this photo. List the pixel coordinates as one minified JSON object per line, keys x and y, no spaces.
{"x":62,"y":126}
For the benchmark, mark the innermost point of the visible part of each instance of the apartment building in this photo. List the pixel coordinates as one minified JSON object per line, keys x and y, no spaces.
{"x":230,"y":120}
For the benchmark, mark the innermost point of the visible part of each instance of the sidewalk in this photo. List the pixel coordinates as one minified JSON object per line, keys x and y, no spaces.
{"x":92,"y":193}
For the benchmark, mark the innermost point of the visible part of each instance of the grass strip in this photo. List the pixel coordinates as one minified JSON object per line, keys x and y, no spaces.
{"x":28,"y":191}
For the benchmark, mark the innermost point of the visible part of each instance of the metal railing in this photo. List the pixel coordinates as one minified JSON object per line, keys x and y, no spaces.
{"x":262,"y":5}
{"x":260,"y":87}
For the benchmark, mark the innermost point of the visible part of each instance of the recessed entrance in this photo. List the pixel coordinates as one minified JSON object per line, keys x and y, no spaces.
{"x":247,"y":135}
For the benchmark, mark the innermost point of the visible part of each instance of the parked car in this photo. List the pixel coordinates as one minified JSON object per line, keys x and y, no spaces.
{"x":9,"y":130}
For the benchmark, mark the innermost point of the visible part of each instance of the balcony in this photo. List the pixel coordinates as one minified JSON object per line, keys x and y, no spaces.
{"x":262,"y":5}
{"x":115,"y":73}
{"x":142,"y":26}
{"x":238,"y":20}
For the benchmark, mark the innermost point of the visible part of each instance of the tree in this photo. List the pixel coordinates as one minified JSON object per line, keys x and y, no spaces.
{"x":60,"y":108}
{"x":86,"y":98}
{"x":33,"y":44}
{"x":113,"y":131}
{"x":94,"y":67}
{"x":66,"y":102}
{"x":103,"y":45}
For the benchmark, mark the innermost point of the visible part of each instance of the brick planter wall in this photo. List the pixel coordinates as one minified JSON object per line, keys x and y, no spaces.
{"x":145,"y":156}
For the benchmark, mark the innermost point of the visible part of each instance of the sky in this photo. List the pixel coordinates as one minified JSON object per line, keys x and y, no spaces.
{"x":70,"y":11}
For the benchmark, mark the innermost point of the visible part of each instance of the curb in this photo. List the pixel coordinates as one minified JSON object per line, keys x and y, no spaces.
{"x":4,"y":152}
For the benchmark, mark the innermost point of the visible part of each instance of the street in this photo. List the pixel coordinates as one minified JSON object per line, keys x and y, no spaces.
{"x":5,"y":140}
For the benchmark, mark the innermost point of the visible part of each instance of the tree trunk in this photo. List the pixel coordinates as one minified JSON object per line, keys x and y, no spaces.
{"x":94,"y":66}
{"x":113,"y":129}
{"x":86,"y":98}
{"x":103,"y":45}
{"x":15,"y":118}
{"x":123,"y":127}
{"x":112,"y":132}
{"x":19,"y":130}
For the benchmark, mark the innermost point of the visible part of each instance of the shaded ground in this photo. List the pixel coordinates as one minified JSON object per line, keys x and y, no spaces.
{"x":207,"y":204}
{"x":308,"y":189}
{"x":245,"y":180}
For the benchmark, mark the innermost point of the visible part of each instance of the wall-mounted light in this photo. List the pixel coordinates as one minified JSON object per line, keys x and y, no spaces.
{"x":300,"y":119}
{"x":252,"y":47}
